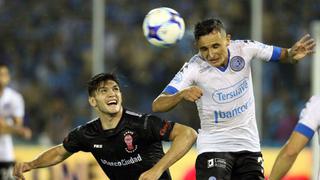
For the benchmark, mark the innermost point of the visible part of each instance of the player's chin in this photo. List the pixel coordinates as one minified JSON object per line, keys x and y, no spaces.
{"x":113,"y":109}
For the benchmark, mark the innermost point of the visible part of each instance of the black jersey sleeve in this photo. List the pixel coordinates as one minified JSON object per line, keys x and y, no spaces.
{"x":72,"y":142}
{"x":158,"y":128}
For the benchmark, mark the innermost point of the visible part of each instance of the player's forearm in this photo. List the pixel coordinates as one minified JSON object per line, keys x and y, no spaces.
{"x":50,"y":157}
{"x":7,"y":129}
{"x":282,"y":165}
{"x":166,"y":102}
{"x":179,"y":147}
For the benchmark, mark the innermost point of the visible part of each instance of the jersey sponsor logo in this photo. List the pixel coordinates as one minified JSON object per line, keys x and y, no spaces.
{"x":217,"y":162}
{"x":122,"y":162}
{"x":229,"y":94}
{"x":232,"y":113}
{"x":129,"y":141}
{"x":97,"y":146}
{"x":237,"y":63}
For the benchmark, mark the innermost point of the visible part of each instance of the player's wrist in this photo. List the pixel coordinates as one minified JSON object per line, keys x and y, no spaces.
{"x":290,"y":58}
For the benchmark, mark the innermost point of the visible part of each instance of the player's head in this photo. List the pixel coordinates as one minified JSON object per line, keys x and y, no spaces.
{"x":104,"y":93}
{"x":212,"y":41}
{"x":4,"y":75}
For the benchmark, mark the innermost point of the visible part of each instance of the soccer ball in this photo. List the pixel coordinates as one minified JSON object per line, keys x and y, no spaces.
{"x":163,"y":27}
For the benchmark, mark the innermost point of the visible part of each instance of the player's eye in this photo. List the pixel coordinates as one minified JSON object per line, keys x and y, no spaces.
{"x":203,"y":49}
{"x":215,"y":46}
{"x":102,"y":90}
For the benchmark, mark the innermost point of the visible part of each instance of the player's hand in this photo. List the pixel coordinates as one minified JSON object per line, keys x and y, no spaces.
{"x":25,"y":132}
{"x":151,"y":174}
{"x":303,"y":47}
{"x":192,"y":93}
{"x":19,"y":169}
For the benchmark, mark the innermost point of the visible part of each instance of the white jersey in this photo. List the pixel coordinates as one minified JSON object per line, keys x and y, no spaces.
{"x":11,"y":105}
{"x":309,"y":121}
{"x":227,"y":108}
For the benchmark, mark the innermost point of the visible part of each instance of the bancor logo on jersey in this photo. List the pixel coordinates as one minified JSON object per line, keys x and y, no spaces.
{"x":229,"y":94}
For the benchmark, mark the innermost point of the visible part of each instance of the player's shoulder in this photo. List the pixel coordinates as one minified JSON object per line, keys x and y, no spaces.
{"x":91,"y":126}
{"x":314,"y":101}
{"x":315,"y":98}
{"x":196,"y":61}
{"x":135,"y":118}
{"x":12,"y":92}
{"x":236,"y":44}
{"x":133,"y":114}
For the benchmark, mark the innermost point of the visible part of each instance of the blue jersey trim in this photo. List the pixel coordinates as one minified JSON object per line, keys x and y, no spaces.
{"x":170,"y":90}
{"x":304,"y":130}
{"x":223,"y":68}
{"x":276,"y":54}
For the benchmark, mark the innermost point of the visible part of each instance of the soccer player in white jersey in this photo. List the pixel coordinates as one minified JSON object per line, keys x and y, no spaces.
{"x":11,"y":122}
{"x":218,"y":79}
{"x":308,"y":124}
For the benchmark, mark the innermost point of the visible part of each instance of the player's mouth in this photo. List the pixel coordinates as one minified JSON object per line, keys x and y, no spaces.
{"x":112,"y":102}
{"x":214,"y":60}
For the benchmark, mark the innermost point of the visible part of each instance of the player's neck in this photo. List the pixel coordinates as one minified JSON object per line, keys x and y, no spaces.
{"x":110,"y":121}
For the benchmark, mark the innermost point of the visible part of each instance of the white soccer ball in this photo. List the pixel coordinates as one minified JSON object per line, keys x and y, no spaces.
{"x":163,"y":27}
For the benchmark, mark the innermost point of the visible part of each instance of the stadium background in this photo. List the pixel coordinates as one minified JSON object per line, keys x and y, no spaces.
{"x":48,"y":45}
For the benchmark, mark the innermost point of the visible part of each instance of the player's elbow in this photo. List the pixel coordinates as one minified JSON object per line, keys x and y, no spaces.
{"x":156,"y":106}
{"x":191,"y":134}
{"x":290,"y":152}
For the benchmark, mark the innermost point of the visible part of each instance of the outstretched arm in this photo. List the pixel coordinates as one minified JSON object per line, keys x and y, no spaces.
{"x":182,"y":138}
{"x":48,"y":158}
{"x":165,"y":102}
{"x":298,"y":51}
{"x":288,"y":155}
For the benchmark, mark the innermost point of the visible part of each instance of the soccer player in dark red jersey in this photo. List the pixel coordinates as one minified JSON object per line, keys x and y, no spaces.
{"x":126,"y":144}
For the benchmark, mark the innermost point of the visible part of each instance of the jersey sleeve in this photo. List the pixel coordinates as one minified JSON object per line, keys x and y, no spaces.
{"x":309,"y":118}
{"x":158,"y":129}
{"x":181,"y":80}
{"x":72,"y":142}
{"x":261,"y":51}
{"x":18,"y":106}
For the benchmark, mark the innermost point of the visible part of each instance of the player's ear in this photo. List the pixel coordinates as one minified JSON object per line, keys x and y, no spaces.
{"x":228,"y":38}
{"x":92,"y":101}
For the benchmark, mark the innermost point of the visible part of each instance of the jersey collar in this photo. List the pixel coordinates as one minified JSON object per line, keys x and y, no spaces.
{"x":117,"y":129}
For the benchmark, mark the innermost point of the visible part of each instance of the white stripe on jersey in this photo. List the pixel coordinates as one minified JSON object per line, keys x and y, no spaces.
{"x":227,"y":108}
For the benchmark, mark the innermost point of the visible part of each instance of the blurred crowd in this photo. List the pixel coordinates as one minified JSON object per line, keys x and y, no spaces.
{"x":48,"y":45}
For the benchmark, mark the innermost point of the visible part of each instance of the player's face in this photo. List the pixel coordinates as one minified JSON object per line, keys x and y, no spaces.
{"x":4,"y":76}
{"x":108,"y":98}
{"x":213,"y":48}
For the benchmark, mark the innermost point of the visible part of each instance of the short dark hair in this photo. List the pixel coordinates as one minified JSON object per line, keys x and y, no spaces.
{"x":207,"y":26}
{"x":4,"y":64}
{"x":96,"y":80}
